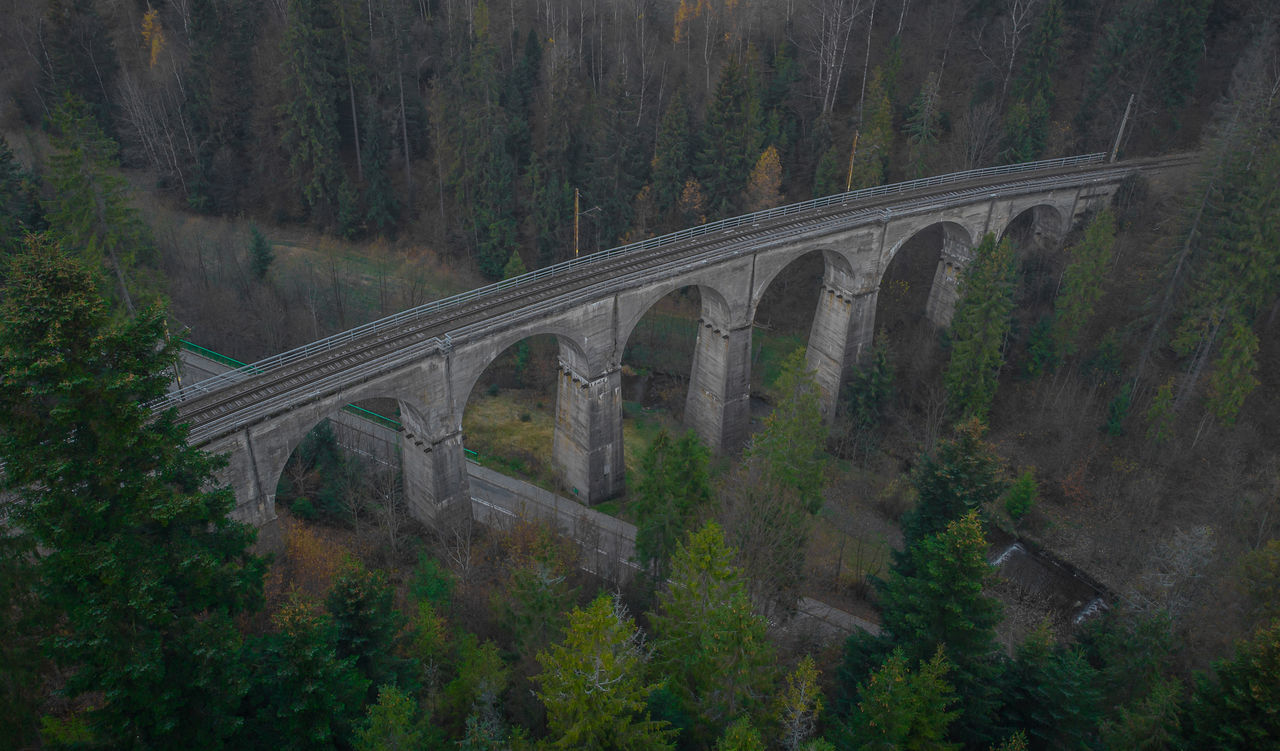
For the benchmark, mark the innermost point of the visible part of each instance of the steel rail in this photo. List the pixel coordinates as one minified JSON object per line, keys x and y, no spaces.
{"x":331,"y":342}
{"x":382,"y":333}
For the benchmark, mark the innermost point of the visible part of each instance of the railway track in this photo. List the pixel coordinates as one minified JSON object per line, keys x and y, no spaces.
{"x":225,"y":403}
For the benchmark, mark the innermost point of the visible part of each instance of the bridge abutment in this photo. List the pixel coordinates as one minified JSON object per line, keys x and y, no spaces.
{"x":587,"y":446}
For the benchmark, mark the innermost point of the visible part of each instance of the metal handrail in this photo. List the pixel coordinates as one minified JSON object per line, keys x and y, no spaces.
{"x":412,"y":314}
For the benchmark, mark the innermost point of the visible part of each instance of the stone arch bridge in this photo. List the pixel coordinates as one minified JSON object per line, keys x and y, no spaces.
{"x":430,"y":357}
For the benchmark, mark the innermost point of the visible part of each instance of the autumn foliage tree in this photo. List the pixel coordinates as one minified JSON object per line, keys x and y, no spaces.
{"x":593,"y":683}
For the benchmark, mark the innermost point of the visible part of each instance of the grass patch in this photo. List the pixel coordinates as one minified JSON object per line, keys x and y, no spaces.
{"x":513,"y":435}
{"x":768,"y":350}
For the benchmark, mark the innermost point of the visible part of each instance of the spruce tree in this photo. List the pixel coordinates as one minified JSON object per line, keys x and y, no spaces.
{"x":1082,"y":283}
{"x":671,"y":153}
{"x":309,"y":124}
{"x":89,"y":210}
{"x":1232,"y":379}
{"x":791,"y":448}
{"x":19,"y":202}
{"x":139,"y":560}
{"x":713,"y":649}
{"x":261,"y":256}
{"x":979,"y":328}
{"x":875,"y":142}
{"x":1051,"y":692}
{"x":730,"y":142}
{"x":938,"y":601}
{"x":903,"y":708}
{"x":1238,"y":706}
{"x":674,"y":487}
{"x":962,"y":475}
{"x":303,"y":695}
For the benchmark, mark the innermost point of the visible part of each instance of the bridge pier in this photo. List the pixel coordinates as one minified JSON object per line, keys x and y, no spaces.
{"x":436,"y":487}
{"x":842,"y":331}
{"x":945,"y":291}
{"x":718,"y":406}
{"x":587,"y":446}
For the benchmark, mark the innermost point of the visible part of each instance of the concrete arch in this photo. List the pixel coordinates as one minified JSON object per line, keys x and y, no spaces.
{"x":271,"y":445}
{"x":954,"y":233}
{"x":770,"y":265}
{"x":471,"y":360}
{"x":1047,"y":219}
{"x":715,"y":305}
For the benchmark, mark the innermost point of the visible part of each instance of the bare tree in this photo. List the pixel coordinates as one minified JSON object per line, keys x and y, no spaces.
{"x":769,"y":527}
{"x":976,"y":141}
{"x":829,"y":29}
{"x":1013,"y":28}
{"x":1175,"y":572}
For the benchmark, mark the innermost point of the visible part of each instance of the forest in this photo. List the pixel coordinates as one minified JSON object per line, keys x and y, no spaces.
{"x":251,"y":175}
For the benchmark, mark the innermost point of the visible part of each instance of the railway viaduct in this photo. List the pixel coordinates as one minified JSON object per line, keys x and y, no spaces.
{"x":429,"y":358}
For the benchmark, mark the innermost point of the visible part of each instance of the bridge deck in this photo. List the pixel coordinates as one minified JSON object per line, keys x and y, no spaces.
{"x":226,"y":403}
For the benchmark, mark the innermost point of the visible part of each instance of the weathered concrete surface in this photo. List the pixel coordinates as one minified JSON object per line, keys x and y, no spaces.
{"x":592,"y":321}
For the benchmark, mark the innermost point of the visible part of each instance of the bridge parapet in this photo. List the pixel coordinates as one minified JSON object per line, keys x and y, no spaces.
{"x":429,"y":357}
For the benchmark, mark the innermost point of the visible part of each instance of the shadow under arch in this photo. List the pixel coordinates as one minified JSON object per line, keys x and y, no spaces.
{"x":814,"y":300}
{"x":339,"y":460}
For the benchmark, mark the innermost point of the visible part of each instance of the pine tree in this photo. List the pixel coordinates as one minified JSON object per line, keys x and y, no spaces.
{"x":711,"y":647}
{"x":310,"y":115}
{"x":791,"y":448}
{"x":938,"y":601}
{"x":260,"y":254}
{"x":900,"y":708}
{"x":593,"y":685}
{"x":1082,"y":283}
{"x":137,"y":558}
{"x":979,"y":328}
{"x":674,"y":487}
{"x":90,"y":210}
{"x":671,"y":154}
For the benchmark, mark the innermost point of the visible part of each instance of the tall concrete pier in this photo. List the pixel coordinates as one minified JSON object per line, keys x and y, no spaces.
{"x":430,"y":358}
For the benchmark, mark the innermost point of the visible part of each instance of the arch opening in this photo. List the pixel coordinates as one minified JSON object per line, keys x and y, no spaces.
{"x":782,"y":322}
{"x":509,"y":417}
{"x":916,"y":299}
{"x":657,"y":364}
{"x":346,"y":471}
{"x":1036,"y":234}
